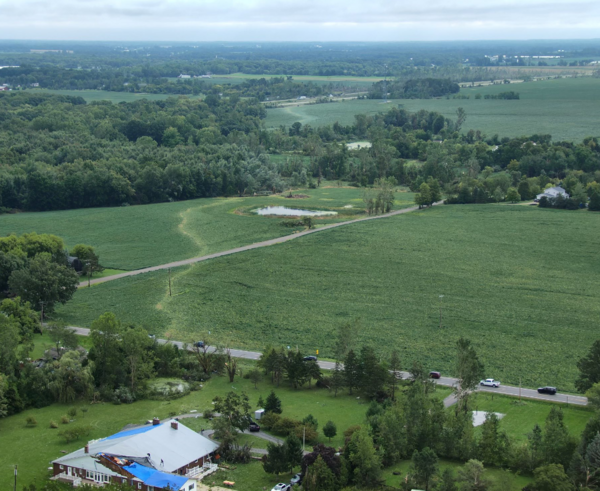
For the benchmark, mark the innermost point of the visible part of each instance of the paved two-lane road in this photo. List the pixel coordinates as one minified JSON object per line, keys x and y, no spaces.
{"x":507,"y":390}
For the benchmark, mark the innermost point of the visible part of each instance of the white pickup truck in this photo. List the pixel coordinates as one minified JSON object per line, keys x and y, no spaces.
{"x":490,"y":382}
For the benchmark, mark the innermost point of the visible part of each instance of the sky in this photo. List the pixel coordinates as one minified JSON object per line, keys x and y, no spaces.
{"x":298,"y":20}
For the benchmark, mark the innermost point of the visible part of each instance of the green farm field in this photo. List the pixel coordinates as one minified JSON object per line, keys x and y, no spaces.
{"x":105,"y":95}
{"x":528,"y":300}
{"x":135,"y":237}
{"x":565,"y":108}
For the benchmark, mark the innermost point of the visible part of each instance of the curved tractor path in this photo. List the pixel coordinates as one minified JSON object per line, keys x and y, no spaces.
{"x":256,"y":245}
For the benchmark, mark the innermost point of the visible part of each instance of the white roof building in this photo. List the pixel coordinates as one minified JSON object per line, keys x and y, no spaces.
{"x":158,"y":456}
{"x":552,"y":193}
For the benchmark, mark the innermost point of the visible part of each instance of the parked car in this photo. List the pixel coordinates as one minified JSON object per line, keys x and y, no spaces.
{"x":200,"y":344}
{"x":297,"y":479}
{"x":310,"y":358}
{"x":547,"y":390}
{"x":435,"y":375}
{"x":490,"y":382}
{"x":281,"y":487}
{"x":254,"y":427}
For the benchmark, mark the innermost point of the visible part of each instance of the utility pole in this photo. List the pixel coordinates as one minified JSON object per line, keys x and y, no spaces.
{"x":519,"y":390}
{"x":303,"y":438}
{"x":15,"y":477}
{"x":441,"y":296}
{"x":169,"y":282}
{"x":89,"y":264}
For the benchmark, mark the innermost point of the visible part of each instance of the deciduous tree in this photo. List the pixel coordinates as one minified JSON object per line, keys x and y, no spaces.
{"x":330,"y":430}
{"x":424,"y":467}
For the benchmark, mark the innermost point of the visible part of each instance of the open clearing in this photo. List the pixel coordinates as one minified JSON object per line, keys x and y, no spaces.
{"x":135,"y":237}
{"x":565,"y":108}
{"x":529,"y":303}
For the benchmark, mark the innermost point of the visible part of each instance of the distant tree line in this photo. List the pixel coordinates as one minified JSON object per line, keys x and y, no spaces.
{"x":415,"y":88}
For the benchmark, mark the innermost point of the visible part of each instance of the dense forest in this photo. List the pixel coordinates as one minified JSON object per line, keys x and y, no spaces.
{"x":57,"y":152}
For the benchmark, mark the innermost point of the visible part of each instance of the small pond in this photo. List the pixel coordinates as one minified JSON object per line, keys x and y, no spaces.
{"x":292,"y":212}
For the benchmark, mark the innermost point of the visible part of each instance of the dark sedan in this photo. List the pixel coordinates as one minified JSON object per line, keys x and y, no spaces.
{"x":547,"y":390}
{"x":254,"y":427}
{"x":310,"y":358}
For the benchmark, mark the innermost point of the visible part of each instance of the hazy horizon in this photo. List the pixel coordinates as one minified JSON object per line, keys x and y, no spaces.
{"x":284,"y":20}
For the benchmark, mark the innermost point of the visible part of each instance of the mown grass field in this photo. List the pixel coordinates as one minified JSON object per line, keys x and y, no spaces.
{"x":105,"y":95}
{"x":134,"y":237}
{"x":33,"y":448}
{"x":520,"y":282}
{"x":520,"y":417}
{"x":565,"y":108}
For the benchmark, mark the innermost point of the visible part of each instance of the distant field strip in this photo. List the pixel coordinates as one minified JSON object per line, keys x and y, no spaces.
{"x":565,"y":108}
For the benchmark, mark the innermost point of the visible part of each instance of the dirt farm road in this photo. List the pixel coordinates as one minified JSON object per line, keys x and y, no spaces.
{"x":256,"y":245}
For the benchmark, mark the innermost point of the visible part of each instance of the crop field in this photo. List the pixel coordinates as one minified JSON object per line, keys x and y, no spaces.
{"x":565,"y":108}
{"x":134,"y":237}
{"x":105,"y":95}
{"x":529,"y":303}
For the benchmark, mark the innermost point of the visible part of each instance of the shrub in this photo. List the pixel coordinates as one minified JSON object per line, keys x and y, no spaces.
{"x":285,"y":426}
{"x":269,"y":420}
{"x":349,"y":432}
{"x":72,"y":412}
{"x":30,"y":421}
{"x":53,"y":424}
{"x":308,"y":432}
{"x":208,"y":414}
{"x":123,"y":395}
{"x":65,"y":419}
{"x":311,"y":420}
{"x":74,"y":433}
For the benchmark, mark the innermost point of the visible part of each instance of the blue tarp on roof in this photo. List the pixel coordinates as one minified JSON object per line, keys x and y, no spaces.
{"x":152,"y":477}
{"x":135,"y":431}
{"x":140,"y":471}
{"x":162,"y":480}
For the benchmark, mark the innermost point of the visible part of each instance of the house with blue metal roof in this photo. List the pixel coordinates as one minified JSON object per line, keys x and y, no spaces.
{"x":155,"y":457}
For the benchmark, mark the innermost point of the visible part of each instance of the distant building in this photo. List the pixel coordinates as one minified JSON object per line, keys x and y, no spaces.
{"x":34,"y":85}
{"x":205,"y":76}
{"x":184,"y":76}
{"x":552,"y":193}
{"x":149,"y":458}
{"x":300,"y":97}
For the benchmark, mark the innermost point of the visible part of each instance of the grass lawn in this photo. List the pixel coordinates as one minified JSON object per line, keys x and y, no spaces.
{"x":33,"y":448}
{"x":491,"y":473}
{"x":253,"y":441}
{"x":520,"y":418}
{"x":565,"y":108}
{"x":134,"y":237}
{"x":42,"y":342}
{"x":529,"y":305}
